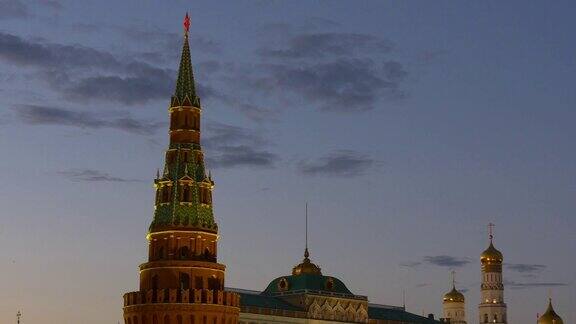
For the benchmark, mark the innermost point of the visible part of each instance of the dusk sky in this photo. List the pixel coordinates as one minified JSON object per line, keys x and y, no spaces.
{"x":407,"y":126}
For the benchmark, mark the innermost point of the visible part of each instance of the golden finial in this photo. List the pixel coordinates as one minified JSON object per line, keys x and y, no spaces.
{"x":491,"y":230}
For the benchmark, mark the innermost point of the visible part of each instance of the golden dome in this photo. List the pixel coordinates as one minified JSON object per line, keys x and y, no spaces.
{"x":454,"y":296}
{"x":306,"y":267}
{"x":491,"y":255}
{"x":550,"y":317}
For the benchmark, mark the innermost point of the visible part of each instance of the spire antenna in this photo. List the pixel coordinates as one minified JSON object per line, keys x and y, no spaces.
{"x":404,"y":298}
{"x":306,"y":253}
{"x":453,"y":279}
{"x":491,"y":230}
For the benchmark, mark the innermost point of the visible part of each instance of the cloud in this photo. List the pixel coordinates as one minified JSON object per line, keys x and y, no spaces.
{"x":344,"y":85}
{"x":82,"y":73}
{"x":525,"y":285}
{"x":230,"y":146}
{"x":13,"y":9}
{"x":411,"y":264}
{"x":241,"y":155}
{"x":526,"y":268}
{"x":90,"y":175}
{"x":42,"y":115}
{"x":343,"y":72}
{"x":446,"y":261}
{"x":338,"y":163}
{"x":321,"y":45}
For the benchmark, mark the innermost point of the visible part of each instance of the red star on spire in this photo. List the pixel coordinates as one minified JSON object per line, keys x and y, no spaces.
{"x":187,"y":23}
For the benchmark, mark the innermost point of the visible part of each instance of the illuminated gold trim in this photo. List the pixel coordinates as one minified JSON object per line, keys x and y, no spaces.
{"x":187,"y":267}
{"x":182,"y":108}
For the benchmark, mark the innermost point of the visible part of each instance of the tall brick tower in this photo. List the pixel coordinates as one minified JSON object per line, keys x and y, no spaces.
{"x":182,"y":282}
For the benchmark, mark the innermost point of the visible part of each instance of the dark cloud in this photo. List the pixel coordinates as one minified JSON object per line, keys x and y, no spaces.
{"x":525,"y":285}
{"x":41,"y":115}
{"x":241,"y":155}
{"x":526,"y":268}
{"x":343,"y":85}
{"x":90,"y":175}
{"x":128,"y":90}
{"x":13,"y":9}
{"x":411,"y":264}
{"x":345,"y":72}
{"x":338,"y":163}
{"x":81,"y":73}
{"x":230,"y":146}
{"x":446,"y":261}
{"x":19,"y":51}
{"x":321,"y":45}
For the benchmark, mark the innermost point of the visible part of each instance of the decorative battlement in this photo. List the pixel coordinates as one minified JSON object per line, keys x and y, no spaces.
{"x":182,"y":296}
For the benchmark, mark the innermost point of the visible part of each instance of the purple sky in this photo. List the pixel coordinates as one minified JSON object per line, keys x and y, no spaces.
{"x":408,"y":126}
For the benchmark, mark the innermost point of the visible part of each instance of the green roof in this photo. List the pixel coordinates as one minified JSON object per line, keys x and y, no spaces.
{"x":185,"y":88}
{"x":397,"y":314}
{"x":250,"y":298}
{"x":309,"y":282}
{"x":256,"y":300}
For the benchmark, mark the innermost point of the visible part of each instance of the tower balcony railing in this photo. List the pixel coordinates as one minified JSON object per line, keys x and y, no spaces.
{"x":182,"y":296}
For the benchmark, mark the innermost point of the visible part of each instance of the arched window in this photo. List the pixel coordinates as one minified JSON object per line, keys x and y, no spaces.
{"x":167,"y":319}
{"x":184,"y":281}
{"x":154,"y":319}
{"x":184,"y":253}
{"x":192,"y":319}
{"x":485,"y":318}
{"x":186,"y":193}
{"x":495,"y":318}
{"x":160,"y":253}
{"x":213,"y":283}
{"x":179,"y":319}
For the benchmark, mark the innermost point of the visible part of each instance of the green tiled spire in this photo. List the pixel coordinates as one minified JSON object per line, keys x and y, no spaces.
{"x":185,"y":87}
{"x":184,"y":189}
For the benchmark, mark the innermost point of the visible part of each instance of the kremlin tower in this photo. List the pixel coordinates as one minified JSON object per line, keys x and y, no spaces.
{"x":182,"y":282}
{"x":492,"y":308}
{"x":454,"y":305}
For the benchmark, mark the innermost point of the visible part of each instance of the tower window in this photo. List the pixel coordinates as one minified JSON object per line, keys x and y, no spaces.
{"x":199,"y":283}
{"x":186,"y":197}
{"x":184,"y":281}
{"x":184,"y":252}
